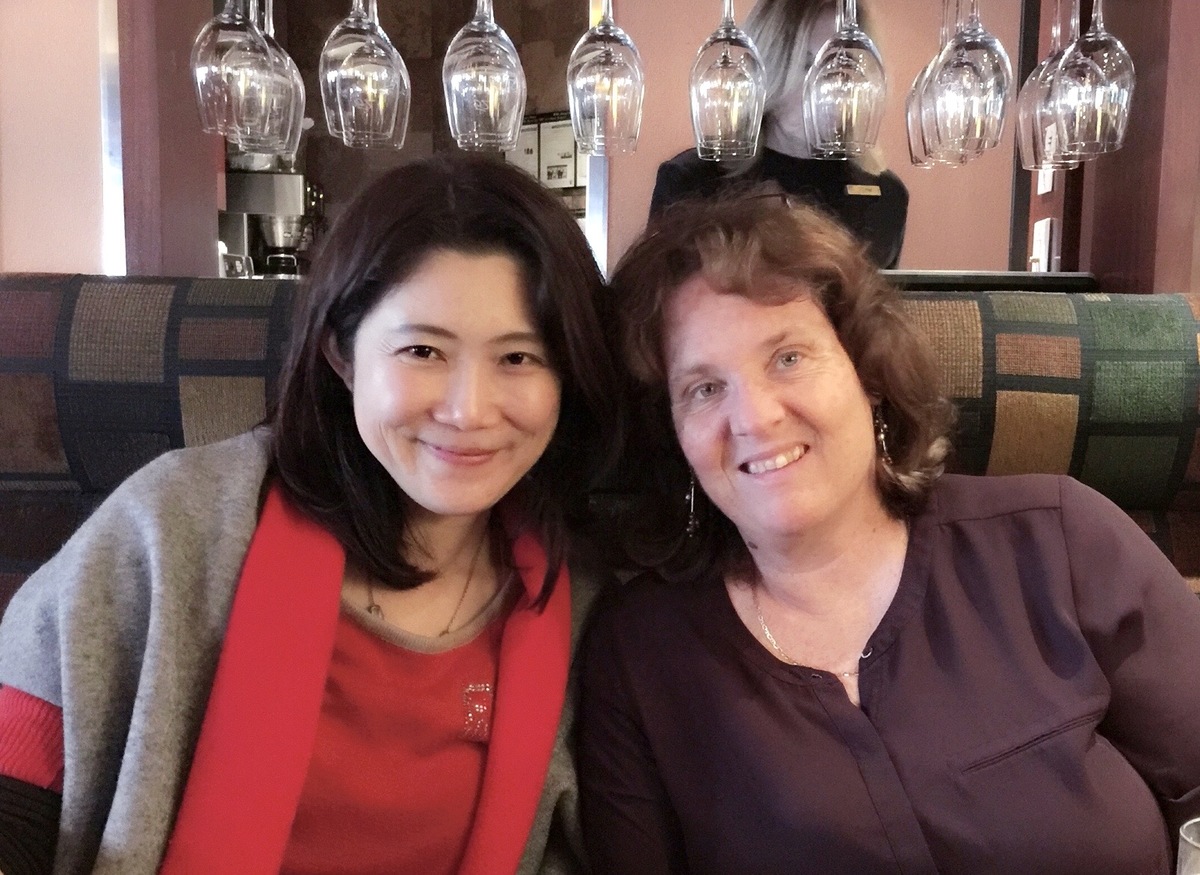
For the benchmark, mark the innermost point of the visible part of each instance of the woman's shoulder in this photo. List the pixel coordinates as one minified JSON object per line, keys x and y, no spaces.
{"x":214,"y":467}
{"x":960,"y":497}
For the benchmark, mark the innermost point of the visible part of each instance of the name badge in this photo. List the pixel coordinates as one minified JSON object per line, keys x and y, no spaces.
{"x":863,"y":190}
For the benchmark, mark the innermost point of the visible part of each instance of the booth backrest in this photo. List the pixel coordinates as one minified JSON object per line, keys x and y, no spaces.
{"x":98,"y":375}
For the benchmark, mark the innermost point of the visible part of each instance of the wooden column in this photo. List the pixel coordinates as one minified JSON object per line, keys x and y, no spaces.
{"x":173,"y":173}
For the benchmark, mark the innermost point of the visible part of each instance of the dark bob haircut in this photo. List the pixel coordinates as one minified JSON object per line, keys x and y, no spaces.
{"x":765,"y":247}
{"x":472,"y":205}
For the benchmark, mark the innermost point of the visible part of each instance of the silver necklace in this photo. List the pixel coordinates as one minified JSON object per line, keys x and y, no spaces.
{"x":766,"y":630}
{"x":375,"y":610}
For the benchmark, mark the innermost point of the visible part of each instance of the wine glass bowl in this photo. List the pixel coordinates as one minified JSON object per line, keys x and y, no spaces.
{"x":365,"y":87}
{"x":605,"y":87}
{"x":484,"y":85}
{"x":273,"y":121}
{"x":373,"y":95}
{"x":1038,"y":141}
{"x":230,"y":59}
{"x":1092,"y":91}
{"x":967,"y":93}
{"x":727,"y":92}
{"x":844,"y":92}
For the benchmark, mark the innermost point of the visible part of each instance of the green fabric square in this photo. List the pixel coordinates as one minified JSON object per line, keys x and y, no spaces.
{"x":1139,"y":392}
{"x":1055,"y":309}
{"x":1133,"y":470}
{"x":1148,"y":323}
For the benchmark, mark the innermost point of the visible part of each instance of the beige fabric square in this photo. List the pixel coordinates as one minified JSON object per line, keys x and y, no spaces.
{"x":231,"y":293}
{"x":955,"y":331}
{"x":118,"y":333}
{"x":214,"y":408}
{"x":1037,"y":355}
{"x":1034,"y":433}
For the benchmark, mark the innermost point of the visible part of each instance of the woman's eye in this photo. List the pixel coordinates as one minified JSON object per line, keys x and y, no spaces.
{"x":703,"y":390}
{"x":789,"y":359}
{"x":520,"y":358}
{"x":419,"y":351}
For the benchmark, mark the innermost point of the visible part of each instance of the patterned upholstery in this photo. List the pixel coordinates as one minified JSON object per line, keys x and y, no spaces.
{"x":1102,"y":387}
{"x":98,"y":375}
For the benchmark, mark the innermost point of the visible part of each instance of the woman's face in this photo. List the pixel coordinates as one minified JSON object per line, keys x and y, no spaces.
{"x":453,"y":391}
{"x":769,"y":412}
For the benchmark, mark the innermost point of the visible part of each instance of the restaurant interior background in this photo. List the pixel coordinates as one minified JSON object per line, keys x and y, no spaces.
{"x":148,"y":205}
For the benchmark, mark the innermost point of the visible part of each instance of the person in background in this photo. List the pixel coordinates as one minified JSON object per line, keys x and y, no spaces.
{"x":845,"y":660}
{"x":340,"y":642}
{"x":860,"y":193}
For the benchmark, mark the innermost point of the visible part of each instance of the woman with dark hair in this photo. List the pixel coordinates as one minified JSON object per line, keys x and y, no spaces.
{"x":859,"y":192}
{"x":846,"y":661}
{"x":341,"y":642}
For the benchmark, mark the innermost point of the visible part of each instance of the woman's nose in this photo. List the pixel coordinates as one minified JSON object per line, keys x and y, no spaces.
{"x":753,"y":407}
{"x":468,"y":398}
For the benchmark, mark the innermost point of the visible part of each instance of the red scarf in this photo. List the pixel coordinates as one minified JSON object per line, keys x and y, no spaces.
{"x":252,"y":755}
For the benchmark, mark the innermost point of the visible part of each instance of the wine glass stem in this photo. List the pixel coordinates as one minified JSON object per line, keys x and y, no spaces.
{"x":606,"y":12}
{"x":727,"y":16}
{"x":1097,"y":16}
{"x":949,"y":19}
{"x":483,"y":10}
{"x":1056,"y":28}
{"x":973,"y":17}
{"x":268,"y":17}
{"x":1076,"y":12}
{"x":358,"y":7}
{"x":848,"y":15}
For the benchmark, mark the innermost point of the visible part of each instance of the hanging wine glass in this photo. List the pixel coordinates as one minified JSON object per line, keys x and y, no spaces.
{"x":1038,"y":140}
{"x":967,"y":93}
{"x":921,"y":150}
{"x":727,"y":93}
{"x":229,"y":54}
{"x":282,"y":100}
{"x":484,"y":84}
{"x":365,"y":87}
{"x":605,"y":85}
{"x":844,"y":90}
{"x":1092,"y":91}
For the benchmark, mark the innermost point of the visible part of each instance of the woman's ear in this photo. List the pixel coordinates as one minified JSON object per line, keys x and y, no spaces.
{"x":333,"y":355}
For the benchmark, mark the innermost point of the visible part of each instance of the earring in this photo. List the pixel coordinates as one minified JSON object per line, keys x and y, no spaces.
{"x":693,"y":524}
{"x":881,"y":430}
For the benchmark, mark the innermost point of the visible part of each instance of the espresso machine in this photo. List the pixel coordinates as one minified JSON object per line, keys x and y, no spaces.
{"x":262,"y":226}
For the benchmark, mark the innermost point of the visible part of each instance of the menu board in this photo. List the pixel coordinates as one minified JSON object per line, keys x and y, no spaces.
{"x":556,"y":147}
{"x":525,"y":155}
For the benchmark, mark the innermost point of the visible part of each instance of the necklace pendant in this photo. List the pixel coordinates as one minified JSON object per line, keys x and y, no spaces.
{"x":374,"y":610}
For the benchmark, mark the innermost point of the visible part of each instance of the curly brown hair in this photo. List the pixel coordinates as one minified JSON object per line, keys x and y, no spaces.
{"x":767,"y":248}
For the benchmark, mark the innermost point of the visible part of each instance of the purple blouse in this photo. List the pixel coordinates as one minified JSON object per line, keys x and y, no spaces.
{"x":1031,"y":704}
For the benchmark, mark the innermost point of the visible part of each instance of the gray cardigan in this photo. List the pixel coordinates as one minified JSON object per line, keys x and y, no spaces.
{"x":123,"y":630}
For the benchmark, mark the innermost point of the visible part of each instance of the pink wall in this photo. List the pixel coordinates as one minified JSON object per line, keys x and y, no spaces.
{"x":50,"y":147}
{"x":958,"y":218}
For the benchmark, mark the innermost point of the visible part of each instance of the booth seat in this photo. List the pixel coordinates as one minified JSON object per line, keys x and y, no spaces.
{"x":98,"y":375}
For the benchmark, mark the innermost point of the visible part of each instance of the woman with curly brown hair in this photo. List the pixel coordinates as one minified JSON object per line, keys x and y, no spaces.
{"x":846,"y":661}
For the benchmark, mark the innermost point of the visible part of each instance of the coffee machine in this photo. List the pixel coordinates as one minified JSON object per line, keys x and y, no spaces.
{"x":262,"y":226}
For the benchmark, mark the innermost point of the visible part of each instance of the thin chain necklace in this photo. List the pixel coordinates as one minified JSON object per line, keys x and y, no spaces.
{"x":766,"y":630}
{"x":375,"y":610}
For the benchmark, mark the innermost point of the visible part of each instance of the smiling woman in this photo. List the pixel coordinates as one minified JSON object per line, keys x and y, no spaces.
{"x":359,"y":615}
{"x":844,"y":661}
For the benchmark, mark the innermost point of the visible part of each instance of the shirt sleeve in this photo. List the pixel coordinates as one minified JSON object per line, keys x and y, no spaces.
{"x":31,"y":771}
{"x":628,"y":822}
{"x":1143,"y":625}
